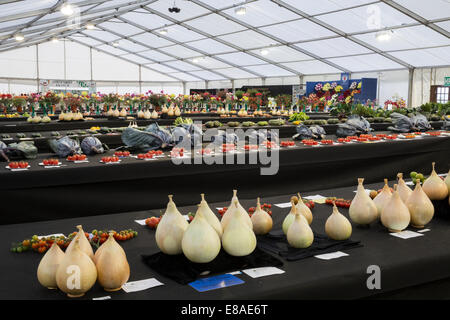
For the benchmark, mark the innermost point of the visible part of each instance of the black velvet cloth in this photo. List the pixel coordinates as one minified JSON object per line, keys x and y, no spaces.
{"x":276,"y":242}
{"x":183,"y":271}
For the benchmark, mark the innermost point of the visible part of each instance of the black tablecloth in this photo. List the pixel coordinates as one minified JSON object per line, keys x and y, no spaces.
{"x":403,"y":263}
{"x":95,"y":188}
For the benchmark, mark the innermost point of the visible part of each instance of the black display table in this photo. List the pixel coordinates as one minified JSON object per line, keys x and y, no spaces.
{"x":407,"y":266}
{"x":95,"y":188}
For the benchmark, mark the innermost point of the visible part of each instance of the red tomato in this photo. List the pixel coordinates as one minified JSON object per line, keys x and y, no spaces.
{"x":126,"y":153}
{"x":45,"y":162}
{"x":118,"y":153}
{"x":70,"y":158}
{"x":82,"y":157}
{"x":152,"y":222}
{"x":141,"y":156}
{"x":13,"y":165}
{"x":23,"y":164}
{"x":55,"y":162}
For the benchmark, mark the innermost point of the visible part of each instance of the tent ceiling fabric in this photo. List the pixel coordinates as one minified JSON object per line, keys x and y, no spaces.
{"x":208,"y":41}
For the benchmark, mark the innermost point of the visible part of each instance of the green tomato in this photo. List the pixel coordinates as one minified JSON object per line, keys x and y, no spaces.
{"x":413,"y":175}
{"x":19,"y":249}
{"x":420,"y":176}
{"x":35,"y":238}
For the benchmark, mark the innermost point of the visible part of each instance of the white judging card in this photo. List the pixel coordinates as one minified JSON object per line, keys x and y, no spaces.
{"x":331,"y":255}
{"x":407,"y":234}
{"x":283,"y":205}
{"x":234,"y":272}
{"x":424,"y":230}
{"x":316,"y":197}
{"x":102,"y":298}
{"x":186,"y":217}
{"x":262,"y":272}
{"x":367,"y":191}
{"x":141,"y":222}
{"x":141,"y":285}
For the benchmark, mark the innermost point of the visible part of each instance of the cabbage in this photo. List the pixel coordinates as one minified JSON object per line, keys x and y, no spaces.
{"x":92,"y":145}
{"x":313,"y":132}
{"x":354,"y":125}
{"x":403,"y":123}
{"x":152,"y":138}
{"x":195,"y":133}
{"x":65,"y":146}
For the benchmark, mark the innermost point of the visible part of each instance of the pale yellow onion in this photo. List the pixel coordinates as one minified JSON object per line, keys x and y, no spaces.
{"x":447,"y":181}
{"x":238,"y":239}
{"x":210,"y":217}
{"x":123,"y":112}
{"x":154,"y":115}
{"x":403,"y":190}
{"x":170,"y":111}
{"x":289,"y":218}
{"x":299,"y":234}
{"x":112,"y":265}
{"x":46,"y":272}
{"x":116,"y":113}
{"x":200,"y":243}
{"x":110,"y":112}
{"x":85,"y":245}
{"x":362,"y":210}
{"x":337,"y":226}
{"x":435,"y":187}
{"x":383,"y":197}
{"x":60,"y":117}
{"x":46,"y":119}
{"x":164,"y":109}
{"x":177,"y":111}
{"x":227,"y":215}
{"x":420,"y":207}
{"x":37,"y":119}
{"x":395,"y":215}
{"x":102,"y":247}
{"x":261,"y":220}
{"x":170,"y":230}
{"x":76,"y":273}
{"x":304,"y":210}
{"x":141,"y":114}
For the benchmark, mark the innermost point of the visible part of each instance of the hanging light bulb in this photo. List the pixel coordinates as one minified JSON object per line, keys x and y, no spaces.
{"x":90,"y":26}
{"x":19,"y":37}
{"x":240,"y":11}
{"x":384,"y":36}
{"x":163,"y":31}
{"x":115,"y":44}
{"x":55,"y":40}
{"x":67,"y":9}
{"x":264,"y":52}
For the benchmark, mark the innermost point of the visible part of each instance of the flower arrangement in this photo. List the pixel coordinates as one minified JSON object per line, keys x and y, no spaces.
{"x":332,"y":94}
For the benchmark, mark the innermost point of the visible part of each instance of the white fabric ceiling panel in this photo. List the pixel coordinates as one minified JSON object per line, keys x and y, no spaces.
{"x":19,"y":63}
{"x":312,"y":67}
{"x":156,"y":55}
{"x":188,"y":9}
{"x":282,"y":54}
{"x":298,"y":30}
{"x":111,"y":3}
{"x":333,"y":47}
{"x":131,"y":46}
{"x":211,"y":46}
{"x":86,"y":40}
{"x":181,"y":52}
{"x":51,"y":60}
{"x":263,"y":12}
{"x":248,"y":39}
{"x":16,"y":22}
{"x":366,"y":63}
{"x":365,"y":18}
{"x":220,"y":4}
{"x":184,"y":76}
{"x":407,"y":38}
{"x":18,"y":7}
{"x":182,"y":34}
{"x":235,"y":73}
{"x":150,"y":75}
{"x":208,"y":75}
{"x":152,"y":40}
{"x":215,"y":24}
{"x":161,"y":68}
{"x":269,"y":70}
{"x":429,"y":9}
{"x":146,"y":19}
{"x":425,"y":57}
{"x":120,"y":27}
{"x":123,"y":70}
{"x":181,"y":65}
{"x":100,"y":34}
{"x":211,"y":63}
{"x":321,"y":6}
{"x":112,"y":50}
{"x":241,"y":59}
{"x":78,"y":61}
{"x":135,"y":58}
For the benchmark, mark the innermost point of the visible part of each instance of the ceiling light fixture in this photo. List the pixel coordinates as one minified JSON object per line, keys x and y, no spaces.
{"x":67,"y":9}
{"x":240,"y":11}
{"x":384,"y":36}
{"x":264,"y":52}
{"x":19,"y":37}
{"x":55,"y":40}
{"x":115,"y":44}
{"x":163,"y":31}
{"x":90,"y":26}
{"x":196,"y":60}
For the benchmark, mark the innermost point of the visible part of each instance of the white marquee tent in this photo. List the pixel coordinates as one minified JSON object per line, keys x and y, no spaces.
{"x":136,"y":46}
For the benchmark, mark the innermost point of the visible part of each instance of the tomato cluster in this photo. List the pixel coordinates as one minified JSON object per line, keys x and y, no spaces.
{"x":374,"y":138}
{"x":17,"y":165}
{"x":205,"y":151}
{"x":101,"y":236}
{"x":365,"y":136}
{"x":309,"y":142}
{"x":287,"y":143}
{"x":122,"y":153}
{"x":435,"y":134}
{"x":145,"y":156}
{"x":391,"y":137}
{"x":326,"y":141}
{"x":340,"y":202}
{"x":410,"y":136}
{"x":177,"y":152}
{"x":361,"y":139}
{"x":270,"y":144}
{"x":50,"y":162}
{"x":352,"y":137}
{"x":251,"y":147}
{"x":226,"y":147}
{"x":381,"y":135}
{"x":152,"y":222}
{"x":110,"y":159}
{"x":77,"y":157}
{"x":265,"y":206}
{"x":341,"y":140}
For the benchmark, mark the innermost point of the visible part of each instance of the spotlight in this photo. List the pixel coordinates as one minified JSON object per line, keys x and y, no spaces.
{"x":384,"y":36}
{"x":90,"y":26}
{"x":115,"y":44}
{"x":19,"y":37}
{"x":55,"y":40}
{"x":240,"y":11}
{"x":67,"y":9}
{"x":163,"y":31}
{"x":264,"y":52}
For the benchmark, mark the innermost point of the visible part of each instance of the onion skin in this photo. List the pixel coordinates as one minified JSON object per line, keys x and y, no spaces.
{"x":228,"y":214}
{"x":210,"y":217}
{"x":435,"y":187}
{"x":337,"y":227}
{"x":395,"y":215}
{"x":362,"y":210}
{"x":403,"y":190}
{"x":420,"y":207}
{"x":289,"y":218}
{"x":84,"y":243}
{"x":383,"y":197}
{"x":447,"y":181}
{"x":261,"y":220}
{"x":304,"y":210}
{"x":299,"y":234}
{"x":112,"y":265}
{"x":46,"y":272}
{"x":170,"y":230}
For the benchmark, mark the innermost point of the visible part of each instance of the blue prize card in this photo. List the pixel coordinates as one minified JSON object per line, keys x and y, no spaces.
{"x":216,"y":282}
